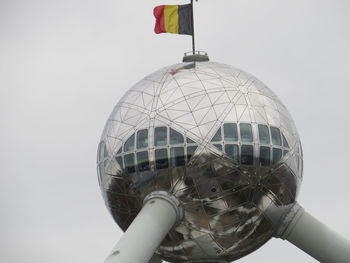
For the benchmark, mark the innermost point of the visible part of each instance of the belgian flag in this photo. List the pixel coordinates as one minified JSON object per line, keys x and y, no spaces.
{"x":176,"y":19}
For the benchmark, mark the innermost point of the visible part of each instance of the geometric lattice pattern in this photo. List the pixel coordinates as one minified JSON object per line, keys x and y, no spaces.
{"x":218,"y":139}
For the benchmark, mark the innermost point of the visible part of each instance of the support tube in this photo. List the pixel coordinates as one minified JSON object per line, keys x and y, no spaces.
{"x":318,"y":240}
{"x":160,"y":213}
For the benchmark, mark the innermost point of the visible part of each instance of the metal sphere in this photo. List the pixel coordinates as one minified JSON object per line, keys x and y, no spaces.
{"x":215,"y":137}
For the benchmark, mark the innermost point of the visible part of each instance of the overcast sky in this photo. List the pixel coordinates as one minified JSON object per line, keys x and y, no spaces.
{"x":65,"y":64}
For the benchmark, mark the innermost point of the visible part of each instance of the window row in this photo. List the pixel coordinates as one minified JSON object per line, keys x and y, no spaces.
{"x":179,"y":156}
{"x":229,"y":132}
{"x":175,"y":157}
{"x":267,"y":135}
{"x":245,"y":154}
{"x":162,"y":137}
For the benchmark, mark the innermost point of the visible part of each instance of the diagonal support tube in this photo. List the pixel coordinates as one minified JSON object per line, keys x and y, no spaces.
{"x":294,"y":224}
{"x":318,"y":240}
{"x":160,"y":212}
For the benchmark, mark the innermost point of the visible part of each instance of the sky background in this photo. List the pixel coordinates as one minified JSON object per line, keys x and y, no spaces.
{"x":65,"y":64}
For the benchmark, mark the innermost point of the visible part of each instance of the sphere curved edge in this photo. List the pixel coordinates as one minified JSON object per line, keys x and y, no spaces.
{"x":215,"y":137}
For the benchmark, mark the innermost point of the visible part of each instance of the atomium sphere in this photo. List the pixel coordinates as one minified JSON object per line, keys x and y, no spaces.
{"x":215,"y":137}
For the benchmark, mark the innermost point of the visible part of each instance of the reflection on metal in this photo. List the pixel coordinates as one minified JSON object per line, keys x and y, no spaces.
{"x":225,"y":185}
{"x":155,"y":259}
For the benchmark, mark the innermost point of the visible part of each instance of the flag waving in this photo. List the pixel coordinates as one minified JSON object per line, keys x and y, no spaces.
{"x":176,"y":19}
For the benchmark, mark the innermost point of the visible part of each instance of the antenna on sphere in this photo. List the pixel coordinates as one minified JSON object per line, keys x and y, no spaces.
{"x":193,"y":31}
{"x":200,"y":56}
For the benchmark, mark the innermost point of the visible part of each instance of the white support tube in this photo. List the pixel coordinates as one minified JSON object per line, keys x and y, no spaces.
{"x":143,"y":237}
{"x":318,"y":240}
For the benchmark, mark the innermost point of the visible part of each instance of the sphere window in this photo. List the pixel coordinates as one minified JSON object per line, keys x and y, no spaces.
{"x":130,"y":144}
{"x":142,"y":139}
{"x":276,"y":155}
{"x":217,"y":137}
{"x":230,"y":132}
{"x":276,"y":136}
{"x":177,"y":156}
{"x":101,"y":160}
{"x":160,"y":136}
{"x":247,"y":157}
{"x":300,"y":158}
{"x":188,"y":140}
{"x":176,"y":137}
{"x":265,"y":156}
{"x":190,"y":152}
{"x":102,"y":152}
{"x":285,"y":143}
{"x":232,"y":151}
{"x":120,"y":150}
{"x":119,"y":160}
{"x":142,"y":161}
{"x":218,"y":146}
{"x":246,"y":132}
{"x":129,"y":161}
{"x":161,"y":156}
{"x":264,"y":134}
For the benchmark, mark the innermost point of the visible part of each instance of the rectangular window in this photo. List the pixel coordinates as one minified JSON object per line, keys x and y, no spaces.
{"x":142,"y":161}
{"x":232,"y":151}
{"x":190,"y":152}
{"x":130,"y":144}
{"x":161,"y":156}
{"x":129,"y":160}
{"x":177,"y":157}
{"x":218,"y":146}
{"x":285,"y":143}
{"x":276,"y":155}
{"x":120,"y":150}
{"x":247,"y":157}
{"x":142,"y":139}
{"x":265,"y":159}
{"x":188,"y":140}
{"x":160,"y":136}
{"x":119,"y":160}
{"x":246,"y":132}
{"x":217,"y":137}
{"x":102,"y":151}
{"x":230,"y":132}
{"x":264,"y":134}
{"x":176,"y":137}
{"x":276,"y":136}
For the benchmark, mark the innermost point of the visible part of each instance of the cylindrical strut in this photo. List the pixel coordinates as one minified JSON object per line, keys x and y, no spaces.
{"x":294,"y":224}
{"x":318,"y":240}
{"x":160,"y":212}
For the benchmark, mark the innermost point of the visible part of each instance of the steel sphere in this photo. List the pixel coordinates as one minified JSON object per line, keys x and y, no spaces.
{"x":215,"y":137}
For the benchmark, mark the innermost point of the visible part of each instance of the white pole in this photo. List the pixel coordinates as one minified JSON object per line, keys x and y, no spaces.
{"x":319,"y":241}
{"x":294,"y":224}
{"x":159,"y":214}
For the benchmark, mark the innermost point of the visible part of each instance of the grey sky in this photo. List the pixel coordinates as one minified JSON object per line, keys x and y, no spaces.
{"x":65,"y":64}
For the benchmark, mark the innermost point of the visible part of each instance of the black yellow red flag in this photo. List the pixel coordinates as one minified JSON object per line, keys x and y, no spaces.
{"x":176,"y":19}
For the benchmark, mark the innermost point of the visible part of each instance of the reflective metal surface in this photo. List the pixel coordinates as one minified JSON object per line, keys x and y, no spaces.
{"x":216,"y":138}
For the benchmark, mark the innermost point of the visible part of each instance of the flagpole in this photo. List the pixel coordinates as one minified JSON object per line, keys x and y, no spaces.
{"x":193,"y":44}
